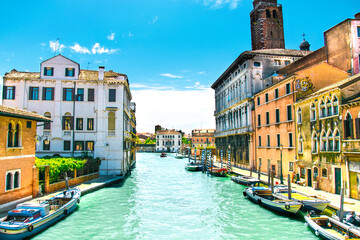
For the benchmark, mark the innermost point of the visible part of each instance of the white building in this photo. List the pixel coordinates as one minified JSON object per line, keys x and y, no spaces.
{"x":168,"y":140}
{"x":90,"y":110}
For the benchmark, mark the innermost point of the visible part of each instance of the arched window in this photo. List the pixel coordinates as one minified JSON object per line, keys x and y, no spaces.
{"x":17,"y":135}
{"x":268,"y":15}
{"x":316,"y":172}
{"x":10,"y":139}
{"x":324,"y":172}
{"x":322,"y":109}
{"x":330,"y":141}
{"x":9,"y":177}
{"x":336,"y":140}
{"x":335,"y":105}
{"x":299,"y":116}
{"x":47,"y":125}
{"x":301,"y":144}
{"x":314,"y":143}
{"x":111,"y":123}
{"x":68,"y":121}
{"x":323,"y":141}
{"x":274,"y":14}
{"x":328,"y":107}
{"x":16,"y":180}
{"x":312,"y":112}
{"x":348,"y":126}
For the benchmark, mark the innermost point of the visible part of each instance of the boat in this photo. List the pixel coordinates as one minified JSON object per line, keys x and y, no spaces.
{"x":31,"y":218}
{"x":353,"y":220}
{"x":163,"y":155}
{"x":245,"y":180}
{"x":330,"y":228}
{"x":218,"y":172}
{"x":193,"y":166}
{"x":264,"y":197}
{"x":309,"y":203}
{"x":179,"y":155}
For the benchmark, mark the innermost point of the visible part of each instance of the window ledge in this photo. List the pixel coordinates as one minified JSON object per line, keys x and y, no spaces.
{"x":14,"y":148}
{"x":13,"y":189}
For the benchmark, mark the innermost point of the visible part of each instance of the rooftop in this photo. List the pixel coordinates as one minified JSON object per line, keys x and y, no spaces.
{"x":15,"y":112}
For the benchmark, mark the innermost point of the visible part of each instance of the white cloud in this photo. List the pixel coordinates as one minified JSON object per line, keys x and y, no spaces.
{"x":131,"y":34}
{"x":100,"y":50}
{"x":56,"y":46}
{"x":169,"y":75}
{"x":222,"y":3}
{"x":202,"y":72}
{"x":185,"y":110}
{"x":43,"y":44}
{"x":79,"y":49}
{"x":155,"y":19}
{"x":111,"y":36}
{"x":143,"y":86}
{"x":197,"y":86}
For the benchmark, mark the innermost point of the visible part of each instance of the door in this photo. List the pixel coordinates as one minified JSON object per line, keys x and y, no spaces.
{"x":309,"y":177}
{"x":337,"y":180}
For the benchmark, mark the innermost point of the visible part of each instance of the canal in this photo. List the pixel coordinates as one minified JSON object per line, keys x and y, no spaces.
{"x":160,"y":200}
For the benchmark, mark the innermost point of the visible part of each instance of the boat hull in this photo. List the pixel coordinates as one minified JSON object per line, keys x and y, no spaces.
{"x":287,"y":208}
{"x":244,"y":182}
{"x":14,"y":233}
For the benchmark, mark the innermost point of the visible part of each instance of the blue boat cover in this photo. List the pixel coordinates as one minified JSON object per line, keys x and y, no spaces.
{"x":23,"y":212}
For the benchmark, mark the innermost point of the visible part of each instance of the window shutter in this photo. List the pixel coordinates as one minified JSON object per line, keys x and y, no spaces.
{"x":52,"y":94}
{"x":73,"y":94}
{"x":64,"y":94}
{"x":4,"y":92}
{"x":43,"y":93}
{"x":13,"y":96}
{"x":63,"y":123}
{"x":72,"y":123}
{"x":357,"y":128}
{"x":45,"y":71}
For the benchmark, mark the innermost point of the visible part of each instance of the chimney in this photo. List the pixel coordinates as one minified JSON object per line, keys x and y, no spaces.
{"x":357,"y":15}
{"x":101,"y":72}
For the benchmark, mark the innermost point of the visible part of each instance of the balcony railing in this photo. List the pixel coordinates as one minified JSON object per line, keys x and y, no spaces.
{"x":233,"y":131}
{"x":111,"y":132}
{"x":67,"y":133}
{"x":352,"y":146}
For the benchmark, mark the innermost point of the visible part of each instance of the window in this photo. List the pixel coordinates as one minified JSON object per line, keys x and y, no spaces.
{"x":14,"y":135}
{"x":33,"y":93}
{"x":28,"y":124}
{"x":48,"y":71}
{"x":301,"y":144}
{"x":277,"y":115}
{"x":10,"y":141}
{"x":79,"y":124}
{"x":323,"y":141}
{"x":335,"y":105}
{"x":278,"y":140}
{"x":287,"y":62}
{"x":314,"y":143}
{"x":12,"y":180}
{"x":48,"y":93}
{"x":90,"y":124}
{"x":274,"y":14}
{"x":257,"y":64}
{"x":276,"y":93}
{"x":112,"y":95}
{"x":69,"y":72}
{"x":322,"y":109}
{"x":316,"y":172}
{"x":337,"y":140}
{"x":259,"y":120}
{"x":330,"y":141}
{"x":9,"y":92}
{"x":268,"y":14}
{"x":266,"y":97}
{"x":268,"y":140}
{"x":291,"y":144}
{"x":68,"y":94}
{"x":348,"y":126}
{"x":277,"y":62}
{"x":267,"y":118}
{"x":67,"y":122}
{"x":67,"y":145}
{"x":80,"y":95}
{"x":299,"y":116}
{"x":258,"y":101}
{"x":79,"y":145}
{"x":328,"y":107}
{"x":289,"y":113}
{"x":302,"y":172}
{"x":91,"y":94}
{"x":324,"y":172}
{"x":358,"y":31}
{"x":47,"y":125}
{"x":259,"y":141}
{"x":291,"y":166}
{"x":111,"y":123}
{"x":46,"y":145}
{"x":288,"y":88}
{"x":17,"y":135}
{"x":312,"y":112}
{"x":89,"y":145}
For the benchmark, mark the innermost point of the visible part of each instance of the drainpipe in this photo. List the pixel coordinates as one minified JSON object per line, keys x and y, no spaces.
{"x":74,"y":122}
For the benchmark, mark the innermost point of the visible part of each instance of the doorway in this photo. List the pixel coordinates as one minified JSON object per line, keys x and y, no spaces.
{"x":309,"y":177}
{"x":337,"y":180}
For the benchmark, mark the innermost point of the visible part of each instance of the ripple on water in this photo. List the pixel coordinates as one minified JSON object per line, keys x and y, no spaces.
{"x":160,"y":200}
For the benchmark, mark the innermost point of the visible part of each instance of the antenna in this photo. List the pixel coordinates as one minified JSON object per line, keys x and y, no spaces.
{"x":303,"y":35}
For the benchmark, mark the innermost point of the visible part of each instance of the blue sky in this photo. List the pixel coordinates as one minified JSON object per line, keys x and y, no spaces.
{"x":179,"y":46}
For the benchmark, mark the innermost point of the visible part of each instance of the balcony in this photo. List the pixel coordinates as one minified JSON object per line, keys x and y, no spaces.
{"x":67,"y":133}
{"x":233,"y":131}
{"x":351,"y":146}
{"x":111,"y":132}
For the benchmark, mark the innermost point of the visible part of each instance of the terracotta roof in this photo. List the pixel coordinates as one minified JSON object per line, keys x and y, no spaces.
{"x":280,"y":51}
{"x":167,"y":132}
{"x":15,"y":112}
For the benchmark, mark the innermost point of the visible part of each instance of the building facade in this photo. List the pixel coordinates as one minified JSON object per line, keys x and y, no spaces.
{"x":203,"y":138}
{"x":91,"y":111}
{"x":18,"y":174}
{"x":168,"y":141}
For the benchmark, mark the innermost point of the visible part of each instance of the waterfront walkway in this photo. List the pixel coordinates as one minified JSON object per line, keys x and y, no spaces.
{"x":350,"y":204}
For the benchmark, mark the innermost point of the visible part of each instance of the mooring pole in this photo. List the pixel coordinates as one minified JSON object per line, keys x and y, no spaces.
{"x":272,"y":181}
{"x":269,"y":177}
{"x":289,"y":187}
{"x":341,"y":205}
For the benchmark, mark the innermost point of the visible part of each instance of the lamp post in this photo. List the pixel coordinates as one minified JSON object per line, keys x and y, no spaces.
{"x":281,"y":171}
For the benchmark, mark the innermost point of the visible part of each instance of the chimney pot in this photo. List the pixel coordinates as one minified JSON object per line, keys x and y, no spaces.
{"x":101,"y":72}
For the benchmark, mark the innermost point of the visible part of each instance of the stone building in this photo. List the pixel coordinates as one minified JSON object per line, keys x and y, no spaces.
{"x":18,"y":175}
{"x":168,"y":141}
{"x":203,"y":138}
{"x":91,"y":111}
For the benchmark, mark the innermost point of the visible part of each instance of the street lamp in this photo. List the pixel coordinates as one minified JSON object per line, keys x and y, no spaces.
{"x":281,"y":172}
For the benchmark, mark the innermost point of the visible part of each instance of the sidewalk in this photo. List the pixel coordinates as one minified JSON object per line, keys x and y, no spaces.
{"x":85,"y":188}
{"x":350,"y":204}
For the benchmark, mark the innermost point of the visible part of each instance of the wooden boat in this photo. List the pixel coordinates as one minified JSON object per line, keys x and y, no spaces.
{"x":309,"y":203}
{"x":163,"y":155}
{"x":265,"y":198}
{"x":192,"y":166}
{"x":179,"y":155}
{"x":30,"y":218}
{"x":218,"y":172}
{"x":245,"y":180}
{"x":330,"y":228}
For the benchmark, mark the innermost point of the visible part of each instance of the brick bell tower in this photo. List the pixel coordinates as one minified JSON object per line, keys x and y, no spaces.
{"x":267,"y":29}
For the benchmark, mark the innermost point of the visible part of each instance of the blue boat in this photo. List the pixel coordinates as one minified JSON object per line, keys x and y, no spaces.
{"x":30,"y":218}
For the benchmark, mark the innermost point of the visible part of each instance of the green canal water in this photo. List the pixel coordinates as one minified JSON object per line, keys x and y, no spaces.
{"x":160,"y":200}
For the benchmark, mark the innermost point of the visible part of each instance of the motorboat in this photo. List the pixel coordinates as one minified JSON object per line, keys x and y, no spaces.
{"x":245,"y":180}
